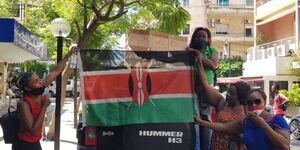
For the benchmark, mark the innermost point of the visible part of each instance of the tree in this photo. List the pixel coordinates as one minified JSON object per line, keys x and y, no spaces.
{"x":96,"y":24}
{"x":231,"y":67}
{"x":93,"y":15}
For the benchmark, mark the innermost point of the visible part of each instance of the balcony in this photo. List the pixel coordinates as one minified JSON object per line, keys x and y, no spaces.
{"x":267,"y":8}
{"x":270,"y":58}
{"x":242,"y":10}
{"x":232,"y":37}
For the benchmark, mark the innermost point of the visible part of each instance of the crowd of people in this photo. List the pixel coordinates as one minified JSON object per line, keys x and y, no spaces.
{"x":241,"y":120}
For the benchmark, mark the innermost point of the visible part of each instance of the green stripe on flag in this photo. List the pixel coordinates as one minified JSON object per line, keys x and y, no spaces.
{"x":164,"y":110}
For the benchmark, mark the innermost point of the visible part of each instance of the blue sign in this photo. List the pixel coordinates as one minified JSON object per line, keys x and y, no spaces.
{"x":13,"y":32}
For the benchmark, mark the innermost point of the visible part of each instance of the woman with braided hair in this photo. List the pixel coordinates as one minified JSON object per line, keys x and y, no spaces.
{"x":33,"y":106}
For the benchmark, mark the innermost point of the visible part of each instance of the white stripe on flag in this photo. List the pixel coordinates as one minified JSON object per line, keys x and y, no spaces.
{"x":129,"y":99}
{"x":109,"y":100}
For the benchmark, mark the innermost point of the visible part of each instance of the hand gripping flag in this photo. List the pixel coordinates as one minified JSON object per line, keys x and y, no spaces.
{"x":127,"y":87}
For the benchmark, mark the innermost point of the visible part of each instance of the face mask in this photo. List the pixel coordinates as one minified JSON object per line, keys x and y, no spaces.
{"x":257,"y":110}
{"x":37,"y":91}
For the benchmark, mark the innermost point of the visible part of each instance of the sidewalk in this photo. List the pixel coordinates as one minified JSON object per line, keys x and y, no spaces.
{"x":67,"y":132}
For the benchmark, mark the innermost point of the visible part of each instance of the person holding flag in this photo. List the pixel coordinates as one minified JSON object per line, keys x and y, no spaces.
{"x":33,"y":106}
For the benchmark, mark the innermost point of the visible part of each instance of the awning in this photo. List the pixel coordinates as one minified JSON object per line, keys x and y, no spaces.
{"x":228,"y":80}
{"x":284,"y":13}
{"x":237,"y":79}
{"x":17,"y":44}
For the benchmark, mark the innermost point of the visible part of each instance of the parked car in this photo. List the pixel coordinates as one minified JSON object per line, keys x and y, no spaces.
{"x":52,"y":89}
{"x":295,"y":127}
{"x":70,"y":87}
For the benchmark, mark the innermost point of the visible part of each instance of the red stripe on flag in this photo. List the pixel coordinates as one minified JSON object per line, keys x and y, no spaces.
{"x":116,"y":85}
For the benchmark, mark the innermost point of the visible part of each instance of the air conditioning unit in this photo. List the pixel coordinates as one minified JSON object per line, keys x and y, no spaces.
{"x":260,"y":54}
{"x":211,"y":24}
{"x":281,"y":50}
{"x":292,"y":47}
{"x":218,"y":20}
{"x":270,"y":52}
{"x":247,"y":21}
{"x":211,"y":20}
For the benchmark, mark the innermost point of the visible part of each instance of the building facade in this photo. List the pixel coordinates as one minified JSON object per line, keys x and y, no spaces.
{"x":276,"y":30}
{"x":230,"y":22}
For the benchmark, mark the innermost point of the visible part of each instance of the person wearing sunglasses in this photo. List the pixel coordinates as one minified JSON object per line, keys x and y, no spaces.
{"x":261,"y":129}
{"x":227,"y":109}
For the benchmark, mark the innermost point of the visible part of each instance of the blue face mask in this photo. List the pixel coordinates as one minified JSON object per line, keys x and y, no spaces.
{"x":198,"y":44}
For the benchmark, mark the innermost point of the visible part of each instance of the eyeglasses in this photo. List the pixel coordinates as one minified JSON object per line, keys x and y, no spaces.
{"x":255,"y":101}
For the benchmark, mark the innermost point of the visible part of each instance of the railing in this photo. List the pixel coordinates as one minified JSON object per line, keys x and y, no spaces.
{"x":230,"y":6}
{"x":233,"y":35}
{"x":283,"y":47}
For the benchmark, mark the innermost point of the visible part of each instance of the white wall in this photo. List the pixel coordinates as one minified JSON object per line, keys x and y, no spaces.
{"x":271,"y":66}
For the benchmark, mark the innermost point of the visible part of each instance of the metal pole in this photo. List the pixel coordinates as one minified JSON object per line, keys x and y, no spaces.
{"x":58,"y":96}
{"x":75,"y":97}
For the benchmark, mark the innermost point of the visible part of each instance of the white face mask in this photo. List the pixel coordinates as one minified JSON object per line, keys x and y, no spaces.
{"x":257,"y":110}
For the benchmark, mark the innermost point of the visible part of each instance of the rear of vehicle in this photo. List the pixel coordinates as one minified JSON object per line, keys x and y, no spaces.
{"x":144,"y":105}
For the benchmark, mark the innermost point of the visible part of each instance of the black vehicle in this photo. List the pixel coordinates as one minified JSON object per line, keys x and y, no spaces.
{"x":295,"y":127}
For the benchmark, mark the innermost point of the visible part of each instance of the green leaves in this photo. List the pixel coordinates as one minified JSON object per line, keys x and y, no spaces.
{"x":231,"y":67}
{"x":293,"y":95}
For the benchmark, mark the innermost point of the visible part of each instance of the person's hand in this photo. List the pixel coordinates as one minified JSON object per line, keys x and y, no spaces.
{"x":198,"y":120}
{"x":73,"y":49}
{"x":46,"y":101}
{"x":197,"y":53}
{"x":258,"y":120}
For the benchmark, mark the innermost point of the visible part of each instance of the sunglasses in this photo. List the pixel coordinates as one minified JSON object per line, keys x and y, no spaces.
{"x":255,"y":101}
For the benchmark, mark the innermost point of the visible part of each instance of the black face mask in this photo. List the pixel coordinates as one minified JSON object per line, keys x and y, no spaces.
{"x":37,"y":91}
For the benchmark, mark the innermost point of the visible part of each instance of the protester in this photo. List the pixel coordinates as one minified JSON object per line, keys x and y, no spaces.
{"x":280,"y":101}
{"x":227,"y":109}
{"x":33,"y":106}
{"x":201,"y":42}
{"x":261,"y":129}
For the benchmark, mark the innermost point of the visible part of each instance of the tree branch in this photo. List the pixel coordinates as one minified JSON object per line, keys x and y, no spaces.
{"x":111,"y":5}
{"x":78,"y":28}
{"x":131,"y":3}
{"x":78,"y":1}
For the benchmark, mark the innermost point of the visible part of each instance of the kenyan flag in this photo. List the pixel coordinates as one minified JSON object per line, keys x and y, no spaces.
{"x":127,"y":87}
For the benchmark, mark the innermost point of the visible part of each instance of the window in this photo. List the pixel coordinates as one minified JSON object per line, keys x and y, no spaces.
{"x":187,"y":30}
{"x":248,"y":32}
{"x":223,"y":2}
{"x":185,"y":2}
{"x":249,"y":2}
{"x":222,"y":29}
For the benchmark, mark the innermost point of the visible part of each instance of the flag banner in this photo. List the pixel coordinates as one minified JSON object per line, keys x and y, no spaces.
{"x":128,"y":87}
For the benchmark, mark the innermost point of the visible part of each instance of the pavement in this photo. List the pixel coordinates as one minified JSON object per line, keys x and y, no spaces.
{"x":68,"y":138}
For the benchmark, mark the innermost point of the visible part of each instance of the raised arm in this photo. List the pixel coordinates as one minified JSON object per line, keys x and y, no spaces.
{"x":232,"y":127}
{"x":213,"y":97}
{"x":212,"y":62}
{"x":59,"y":68}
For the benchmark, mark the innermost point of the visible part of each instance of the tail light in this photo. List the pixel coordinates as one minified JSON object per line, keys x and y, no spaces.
{"x":90,"y":136}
